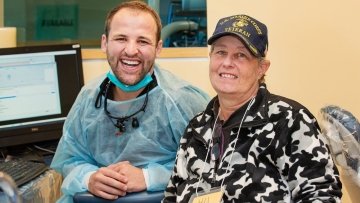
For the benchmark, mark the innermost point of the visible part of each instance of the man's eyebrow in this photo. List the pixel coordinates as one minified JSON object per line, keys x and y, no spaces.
{"x":119,"y":35}
{"x":143,"y":37}
{"x":147,"y":39}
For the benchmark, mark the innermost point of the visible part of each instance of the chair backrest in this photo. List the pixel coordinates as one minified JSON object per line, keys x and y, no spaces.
{"x":342,"y":130}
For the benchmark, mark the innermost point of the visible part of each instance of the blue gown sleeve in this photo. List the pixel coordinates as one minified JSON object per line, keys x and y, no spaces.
{"x":72,"y":159}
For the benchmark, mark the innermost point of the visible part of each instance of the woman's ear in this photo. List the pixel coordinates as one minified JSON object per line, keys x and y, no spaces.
{"x":264,"y":66}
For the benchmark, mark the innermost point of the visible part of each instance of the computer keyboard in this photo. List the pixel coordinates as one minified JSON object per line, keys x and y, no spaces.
{"x":22,"y":171}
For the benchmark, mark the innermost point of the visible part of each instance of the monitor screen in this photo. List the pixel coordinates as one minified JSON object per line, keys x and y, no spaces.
{"x":38,"y":86}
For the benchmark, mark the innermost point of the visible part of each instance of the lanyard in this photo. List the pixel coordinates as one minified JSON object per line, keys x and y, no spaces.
{"x":232,"y":152}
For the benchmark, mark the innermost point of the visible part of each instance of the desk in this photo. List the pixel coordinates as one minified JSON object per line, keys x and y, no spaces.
{"x":45,"y":188}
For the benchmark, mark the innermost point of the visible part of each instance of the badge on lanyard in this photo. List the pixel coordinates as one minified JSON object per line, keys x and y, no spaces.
{"x":212,"y":196}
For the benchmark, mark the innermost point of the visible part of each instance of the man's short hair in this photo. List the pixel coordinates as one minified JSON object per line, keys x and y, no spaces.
{"x":135,"y":5}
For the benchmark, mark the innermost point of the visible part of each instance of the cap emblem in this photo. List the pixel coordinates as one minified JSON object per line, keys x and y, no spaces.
{"x":240,"y":23}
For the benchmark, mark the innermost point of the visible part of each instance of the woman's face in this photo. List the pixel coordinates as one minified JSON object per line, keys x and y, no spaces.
{"x":233,"y":69}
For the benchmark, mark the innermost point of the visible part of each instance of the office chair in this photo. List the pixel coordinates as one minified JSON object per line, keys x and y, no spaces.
{"x":136,"y":197}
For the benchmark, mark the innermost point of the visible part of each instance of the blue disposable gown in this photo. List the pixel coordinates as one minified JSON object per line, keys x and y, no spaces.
{"x":89,"y":138}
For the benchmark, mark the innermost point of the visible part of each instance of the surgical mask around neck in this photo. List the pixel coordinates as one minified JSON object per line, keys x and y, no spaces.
{"x":129,"y":88}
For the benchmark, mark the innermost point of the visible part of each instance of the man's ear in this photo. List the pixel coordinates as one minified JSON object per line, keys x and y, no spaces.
{"x":159,"y":48}
{"x":103,"y":43}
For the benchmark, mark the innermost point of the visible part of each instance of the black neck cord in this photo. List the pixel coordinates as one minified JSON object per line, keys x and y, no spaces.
{"x":120,"y":120}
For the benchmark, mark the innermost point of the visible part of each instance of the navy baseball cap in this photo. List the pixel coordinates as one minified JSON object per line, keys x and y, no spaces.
{"x":250,"y":30}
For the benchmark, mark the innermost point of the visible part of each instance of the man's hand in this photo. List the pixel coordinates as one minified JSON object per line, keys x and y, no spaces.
{"x":107,"y":183}
{"x":134,"y":175}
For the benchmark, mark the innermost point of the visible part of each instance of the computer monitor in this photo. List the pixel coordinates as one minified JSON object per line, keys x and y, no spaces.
{"x":38,"y":86}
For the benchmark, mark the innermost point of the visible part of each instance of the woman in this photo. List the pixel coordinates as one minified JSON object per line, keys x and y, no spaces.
{"x":250,"y":145}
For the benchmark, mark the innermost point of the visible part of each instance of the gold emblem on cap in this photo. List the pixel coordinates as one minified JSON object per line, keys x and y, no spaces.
{"x":240,"y":23}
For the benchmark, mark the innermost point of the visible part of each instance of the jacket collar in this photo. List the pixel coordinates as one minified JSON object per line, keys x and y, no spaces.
{"x":257,"y":115}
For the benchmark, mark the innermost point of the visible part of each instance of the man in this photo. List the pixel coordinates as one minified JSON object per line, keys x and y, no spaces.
{"x":123,"y":130}
{"x":250,"y":145}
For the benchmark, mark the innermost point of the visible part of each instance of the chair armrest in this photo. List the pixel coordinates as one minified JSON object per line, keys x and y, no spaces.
{"x":136,"y":197}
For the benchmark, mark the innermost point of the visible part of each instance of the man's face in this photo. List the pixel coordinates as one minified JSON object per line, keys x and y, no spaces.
{"x":131,"y":46}
{"x":233,"y":69}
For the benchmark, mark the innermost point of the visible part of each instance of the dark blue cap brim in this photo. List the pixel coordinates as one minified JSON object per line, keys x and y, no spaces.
{"x":213,"y":38}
